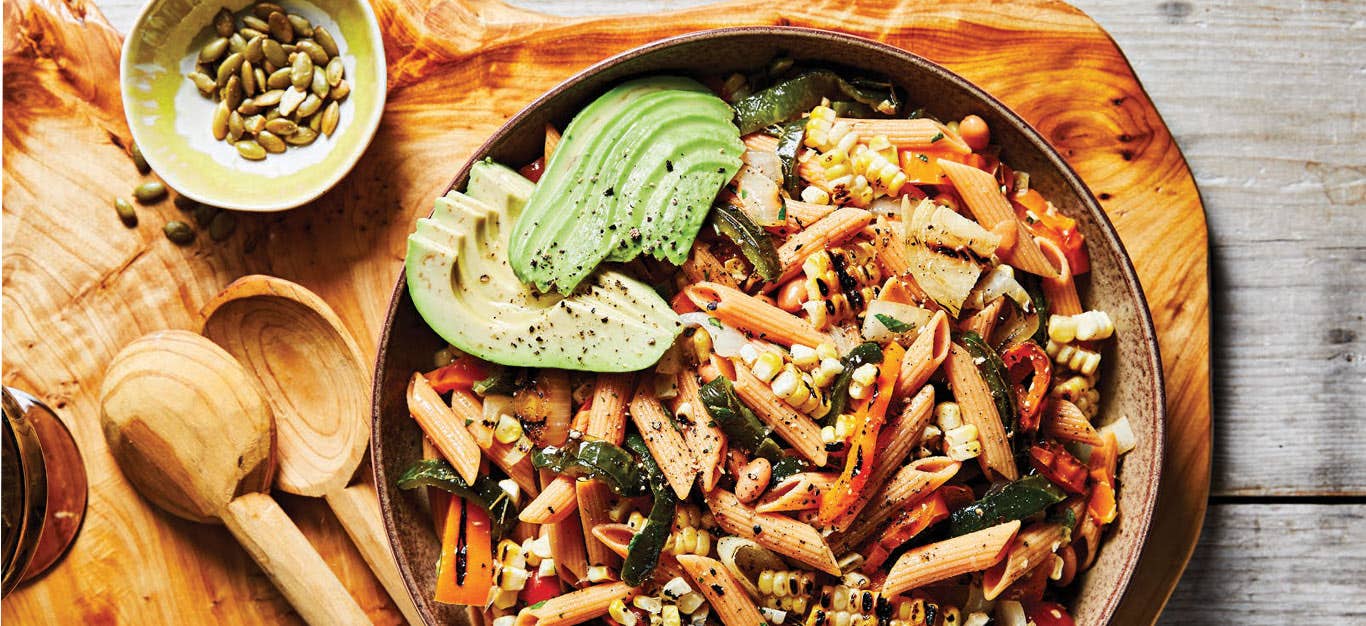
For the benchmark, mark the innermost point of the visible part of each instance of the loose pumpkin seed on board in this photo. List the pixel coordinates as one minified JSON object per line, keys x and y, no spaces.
{"x":178,"y":232}
{"x":127,"y":215}
{"x":140,"y":161}
{"x":149,"y":192}
{"x":222,"y":225}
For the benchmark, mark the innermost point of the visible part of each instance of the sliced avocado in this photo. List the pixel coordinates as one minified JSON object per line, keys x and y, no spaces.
{"x":462,"y":284}
{"x":635,"y":172}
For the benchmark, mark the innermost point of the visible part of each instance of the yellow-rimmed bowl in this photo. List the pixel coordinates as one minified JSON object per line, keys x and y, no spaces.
{"x":170,"y":120}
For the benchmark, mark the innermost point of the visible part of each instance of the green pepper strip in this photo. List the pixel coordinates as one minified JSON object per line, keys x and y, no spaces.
{"x":642,"y":554}
{"x":993,"y":371}
{"x":790,"y":98}
{"x":597,"y":459}
{"x":485,"y":492}
{"x":1036,"y":297}
{"x":786,"y":467}
{"x":739,"y":423}
{"x":503,"y":381}
{"x":868,"y":352}
{"x":789,"y":144}
{"x":1016,"y":500}
{"x":754,"y":242}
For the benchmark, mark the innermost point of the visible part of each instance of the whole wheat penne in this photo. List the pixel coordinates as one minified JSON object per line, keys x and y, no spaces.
{"x":445,"y":430}
{"x":702,"y":433}
{"x":925,"y":355}
{"x":803,"y":214}
{"x":1030,"y":547}
{"x":1060,"y":291}
{"x":617,"y":538}
{"x":574,"y":607}
{"x":1062,"y":420}
{"x":663,"y":439}
{"x":513,"y":458}
{"x":906,"y":487}
{"x":438,"y":499}
{"x":827,"y":232}
{"x":982,"y":194}
{"x":607,"y":417}
{"x":723,"y":592}
{"x":754,"y":316}
{"x":797,"y":429}
{"x":778,"y":533}
{"x":979,"y":409}
{"x":984,"y":321}
{"x":798,"y":492}
{"x":552,"y":140}
{"x":945,"y":559}
{"x":567,"y":546}
{"x":703,"y":266}
{"x":923,"y":133}
{"x":556,"y":502}
{"x":595,"y":499}
{"x":894,"y":443}
{"x":1088,"y":534}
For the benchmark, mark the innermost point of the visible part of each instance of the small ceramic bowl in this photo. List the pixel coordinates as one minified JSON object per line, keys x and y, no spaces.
{"x":171,"y":120}
{"x":1132,"y":375}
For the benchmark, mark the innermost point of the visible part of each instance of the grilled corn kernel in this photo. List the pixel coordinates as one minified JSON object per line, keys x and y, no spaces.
{"x":964,"y":451}
{"x":829,"y":369}
{"x":828,"y":434}
{"x":844,"y":426}
{"x":1062,"y":328}
{"x":546,"y":568}
{"x":856,"y":580}
{"x":505,"y":599}
{"x":859,"y":391}
{"x":701,"y":345}
{"x":785,"y":384}
{"x":677,"y":588}
{"x":599,"y":573}
{"x":827,"y":350}
{"x":815,"y":195}
{"x":818,"y":125}
{"x":865,"y":374}
{"x":766,"y":366}
{"x":948,"y":415}
{"x":961,"y":435}
{"x":510,"y":554}
{"x":512,"y":579}
{"x":748,"y":354}
{"x":804,"y":357}
{"x":508,"y":430}
{"x":670,"y":616}
{"x":636,"y":521}
{"x":952,"y":616}
{"x":620,"y":614}
{"x":649,"y":604}
{"x":690,"y":602}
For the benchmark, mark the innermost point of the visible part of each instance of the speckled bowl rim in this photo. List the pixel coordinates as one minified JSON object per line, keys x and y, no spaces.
{"x":1142,"y":517}
{"x":313,"y":192}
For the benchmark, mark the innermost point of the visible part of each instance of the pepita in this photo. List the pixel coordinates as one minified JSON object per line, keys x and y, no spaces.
{"x":251,"y":150}
{"x":258,"y":23}
{"x":202,"y":82}
{"x":274,"y":53}
{"x":291,"y":100}
{"x":279,"y":79}
{"x":301,"y":72}
{"x":219,"y":124}
{"x":149,"y":192}
{"x":237,"y":43}
{"x":272,"y":114}
{"x":314,"y":51}
{"x":127,"y":215}
{"x":232,"y":92}
{"x":222,"y":225}
{"x":331,"y":116}
{"x":203,"y":214}
{"x":140,"y":161}
{"x":248,"y":107}
{"x":254,"y":124}
{"x":325,"y":40}
{"x":222,"y":23}
{"x":269,"y":98}
{"x":253,"y":51}
{"x":184,"y":203}
{"x":320,"y":86}
{"x":235,"y":126}
{"x":302,"y":137}
{"x":246,"y":34}
{"x":229,"y":68}
{"x":280,"y":27}
{"x":260,"y":76}
{"x":248,"y":77}
{"x":263,"y":10}
{"x":315,"y":122}
{"x":270,"y":141}
{"x":341,"y":91}
{"x":335,"y":71}
{"x":179,"y":233}
{"x":301,"y":26}
{"x":289,"y":49}
{"x":310,"y":105}
{"x":281,"y":126}
{"x":214,"y":50}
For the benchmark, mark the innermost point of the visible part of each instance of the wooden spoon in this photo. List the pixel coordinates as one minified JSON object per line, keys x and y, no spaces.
{"x":194,"y":434}
{"x":318,"y":386}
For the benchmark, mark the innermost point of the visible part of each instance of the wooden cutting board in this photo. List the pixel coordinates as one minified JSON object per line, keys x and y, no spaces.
{"x":78,"y":285}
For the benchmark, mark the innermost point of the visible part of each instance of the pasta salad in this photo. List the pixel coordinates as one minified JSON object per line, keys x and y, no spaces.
{"x":765,"y":349}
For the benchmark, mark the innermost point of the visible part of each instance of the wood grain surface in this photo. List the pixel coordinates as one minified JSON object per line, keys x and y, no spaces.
{"x":78,"y":286}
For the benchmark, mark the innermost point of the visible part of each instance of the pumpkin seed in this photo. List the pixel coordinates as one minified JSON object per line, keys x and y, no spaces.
{"x":300,"y":25}
{"x":247,"y":34}
{"x":301,"y":72}
{"x":248,"y":107}
{"x":232,"y":92}
{"x":302,"y":137}
{"x":214,"y":50}
{"x":335,"y":71}
{"x":203,"y":214}
{"x":269,"y":98}
{"x":184,"y":204}
{"x":289,"y":49}
{"x":257,"y":23}
{"x":219,"y":124}
{"x":222,"y":225}
{"x":263,"y":10}
{"x":313,"y":122}
{"x":149,"y":192}
{"x":331,"y":115}
{"x":341,"y":91}
{"x":253,"y":50}
{"x":127,"y":215}
{"x":248,"y":77}
{"x":272,"y":114}
{"x":280,"y":27}
{"x":290,"y":100}
{"x":279,"y":79}
{"x":260,"y":76}
{"x":270,"y":141}
{"x":229,"y":68}
{"x":310,"y":105}
{"x":140,"y":161}
{"x":274,"y":53}
{"x":314,"y":51}
{"x":202,"y":82}
{"x":320,"y":87}
{"x":251,"y":150}
{"x":254,"y":124}
{"x":223,"y":23}
{"x":178,"y":232}
{"x":325,"y":40}
{"x":237,"y":43}
{"x":281,"y":126}
{"x":235,"y":126}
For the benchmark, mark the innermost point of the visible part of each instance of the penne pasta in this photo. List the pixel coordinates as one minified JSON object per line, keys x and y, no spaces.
{"x":732,"y":605}
{"x":607,"y":416}
{"x":663,"y":439}
{"x":945,"y":559}
{"x":982,"y":194}
{"x":762,"y":142}
{"x":827,"y":232}
{"x":923,"y":133}
{"x":556,"y":502}
{"x":778,"y":533}
{"x":1060,"y":291}
{"x":574,"y":607}
{"x":906,"y":487}
{"x":552,"y":139}
{"x":1065,"y":422}
{"x":798,"y":492}
{"x":803,"y":214}
{"x":595,"y":500}
{"x":1030,"y":547}
{"x":617,"y":538}
{"x":568,"y":549}
{"x":894,"y":443}
{"x":512,"y":458}
{"x":984,"y":321}
{"x":797,"y":429}
{"x":755,"y":317}
{"x":702,"y":434}
{"x":439,"y":500}
{"x":702,"y":266}
{"x":974,"y":398}
{"x":446,"y":431}
{"x":925,"y":355}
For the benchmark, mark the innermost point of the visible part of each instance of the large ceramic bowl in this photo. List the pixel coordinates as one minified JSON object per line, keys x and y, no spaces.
{"x":1132,"y":376}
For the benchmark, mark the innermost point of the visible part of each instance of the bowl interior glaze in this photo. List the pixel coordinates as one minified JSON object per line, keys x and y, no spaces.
{"x":1132,"y":378}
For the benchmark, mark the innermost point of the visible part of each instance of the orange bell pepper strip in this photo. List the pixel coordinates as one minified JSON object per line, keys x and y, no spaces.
{"x":871,"y":414}
{"x":1044,"y":220}
{"x":922,"y":166}
{"x":1059,"y":466}
{"x":930,"y":511}
{"x":1102,"y":504}
{"x":464,"y":573}
{"x":460,"y":374}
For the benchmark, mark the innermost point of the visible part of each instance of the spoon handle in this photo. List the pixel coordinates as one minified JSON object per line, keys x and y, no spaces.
{"x":297,"y":570}
{"x":357,"y":508}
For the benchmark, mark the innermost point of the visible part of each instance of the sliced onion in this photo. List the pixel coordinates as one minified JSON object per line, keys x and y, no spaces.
{"x":875,"y":330}
{"x":1000,"y":281}
{"x":746,"y":559}
{"x":886,"y":205}
{"x":496,"y":406}
{"x":758,"y":196}
{"x":725,"y":340}
{"x":767,"y":163}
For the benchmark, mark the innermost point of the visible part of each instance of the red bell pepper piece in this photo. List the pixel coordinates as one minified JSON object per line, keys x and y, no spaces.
{"x":532,"y":171}
{"x":460,"y":374}
{"x":1021,"y":362}
{"x":870,"y":415}
{"x":540,"y":588}
{"x":464,"y":573}
{"x":1048,"y":614}
{"x":1059,"y":466}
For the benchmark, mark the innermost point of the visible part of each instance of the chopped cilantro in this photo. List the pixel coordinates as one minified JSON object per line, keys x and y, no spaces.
{"x":893,"y":324}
